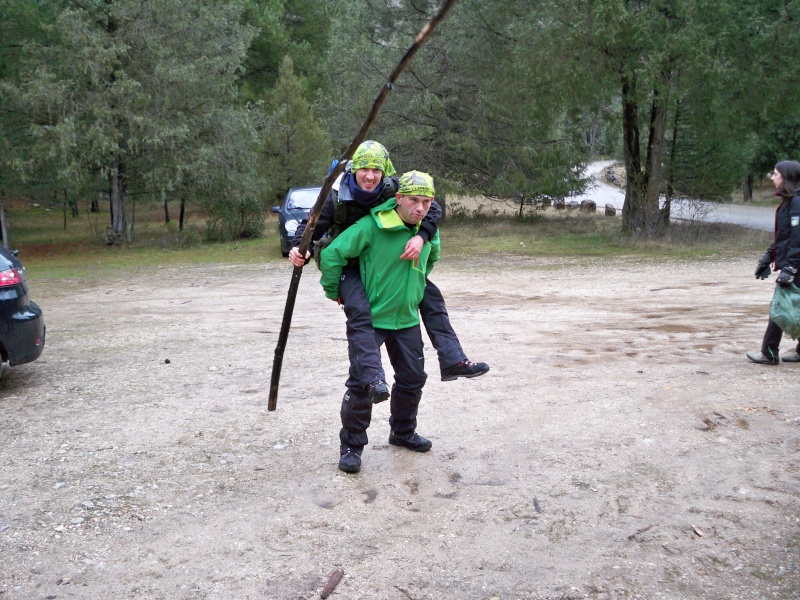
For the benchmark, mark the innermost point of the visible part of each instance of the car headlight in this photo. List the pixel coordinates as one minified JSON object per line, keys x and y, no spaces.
{"x":291,"y":226}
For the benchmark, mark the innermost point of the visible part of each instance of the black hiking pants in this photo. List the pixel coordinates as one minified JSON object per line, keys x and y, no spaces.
{"x":404,"y":347}
{"x":365,"y":353}
{"x":772,"y":340}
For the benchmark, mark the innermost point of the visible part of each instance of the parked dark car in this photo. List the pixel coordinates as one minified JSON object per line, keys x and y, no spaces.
{"x":21,"y":322}
{"x":295,"y":207}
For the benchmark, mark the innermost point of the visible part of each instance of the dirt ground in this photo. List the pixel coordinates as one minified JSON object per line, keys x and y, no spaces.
{"x":620,"y":446}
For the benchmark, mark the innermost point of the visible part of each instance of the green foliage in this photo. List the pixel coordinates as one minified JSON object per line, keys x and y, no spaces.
{"x":294,"y":28}
{"x":474,"y":109}
{"x":227,"y":103}
{"x":296,"y":149}
{"x":130,"y":94}
{"x":232,"y":218}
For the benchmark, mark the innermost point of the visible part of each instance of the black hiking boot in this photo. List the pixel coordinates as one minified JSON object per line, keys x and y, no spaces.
{"x":350,"y":459}
{"x":378,"y":391}
{"x":412,"y":441}
{"x":464,"y":369}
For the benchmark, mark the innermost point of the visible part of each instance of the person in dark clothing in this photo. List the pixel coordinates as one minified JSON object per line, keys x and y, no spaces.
{"x":368,"y":182}
{"x":394,"y":289}
{"x":783,"y":255}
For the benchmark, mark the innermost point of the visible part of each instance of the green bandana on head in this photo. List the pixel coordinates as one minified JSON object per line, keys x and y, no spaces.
{"x":372,"y":155}
{"x":416,"y":183}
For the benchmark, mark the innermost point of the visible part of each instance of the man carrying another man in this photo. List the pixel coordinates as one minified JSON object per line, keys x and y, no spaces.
{"x":368,"y":183}
{"x":394,"y":289}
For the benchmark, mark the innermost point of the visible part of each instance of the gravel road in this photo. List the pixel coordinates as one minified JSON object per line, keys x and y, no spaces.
{"x":614,"y":452}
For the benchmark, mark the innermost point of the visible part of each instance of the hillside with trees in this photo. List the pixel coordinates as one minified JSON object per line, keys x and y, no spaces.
{"x":225,"y":104}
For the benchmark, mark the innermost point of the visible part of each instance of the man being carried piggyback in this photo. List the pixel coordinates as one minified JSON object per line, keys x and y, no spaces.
{"x":368,"y":182}
{"x":394,"y":289}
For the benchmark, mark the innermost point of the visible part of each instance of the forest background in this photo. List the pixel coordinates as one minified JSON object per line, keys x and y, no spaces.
{"x":222,"y":105}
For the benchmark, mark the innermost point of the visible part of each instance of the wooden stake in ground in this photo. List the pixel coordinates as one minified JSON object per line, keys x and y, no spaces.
{"x":305,"y":242}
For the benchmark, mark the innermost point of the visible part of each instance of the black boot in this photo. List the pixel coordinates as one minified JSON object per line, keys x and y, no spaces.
{"x":350,"y":459}
{"x":412,"y":441}
{"x":464,"y":369}
{"x":378,"y":391}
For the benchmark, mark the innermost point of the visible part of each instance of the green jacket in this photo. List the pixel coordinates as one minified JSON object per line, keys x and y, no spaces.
{"x":394,"y":287}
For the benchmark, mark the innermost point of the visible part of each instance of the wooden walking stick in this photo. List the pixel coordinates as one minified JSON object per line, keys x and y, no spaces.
{"x":305,"y":241}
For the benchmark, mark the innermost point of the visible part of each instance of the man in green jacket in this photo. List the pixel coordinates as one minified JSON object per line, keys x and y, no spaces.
{"x":394,"y":288}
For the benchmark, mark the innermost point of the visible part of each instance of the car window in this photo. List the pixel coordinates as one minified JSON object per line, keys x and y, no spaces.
{"x":302,"y":198}
{"x":6,"y":260}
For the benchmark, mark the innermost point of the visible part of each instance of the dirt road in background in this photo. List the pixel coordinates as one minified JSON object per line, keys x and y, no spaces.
{"x":621,"y":445}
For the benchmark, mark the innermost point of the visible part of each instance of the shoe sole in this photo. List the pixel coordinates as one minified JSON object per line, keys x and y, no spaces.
{"x":349,"y":469}
{"x":378,"y":398}
{"x":470,"y":376}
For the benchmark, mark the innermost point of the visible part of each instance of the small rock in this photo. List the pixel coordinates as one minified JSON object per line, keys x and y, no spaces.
{"x":76,"y":521}
{"x":59,"y":485}
{"x":166,"y":361}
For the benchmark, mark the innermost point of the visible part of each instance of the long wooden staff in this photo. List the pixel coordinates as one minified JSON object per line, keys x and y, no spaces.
{"x":326,"y":188}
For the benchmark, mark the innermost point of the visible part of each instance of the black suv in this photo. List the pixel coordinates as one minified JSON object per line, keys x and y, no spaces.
{"x":21,"y":322}
{"x":295,"y":207}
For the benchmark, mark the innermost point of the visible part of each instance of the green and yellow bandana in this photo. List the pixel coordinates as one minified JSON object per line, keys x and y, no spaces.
{"x":372,"y":155}
{"x":416,"y":183}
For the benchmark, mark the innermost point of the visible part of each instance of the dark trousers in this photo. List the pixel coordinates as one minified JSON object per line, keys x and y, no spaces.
{"x":364,"y":351}
{"x":772,"y":340}
{"x":404,"y":347}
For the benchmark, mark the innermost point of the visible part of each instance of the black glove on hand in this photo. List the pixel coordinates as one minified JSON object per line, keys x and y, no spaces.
{"x":786,"y":278}
{"x":390,"y":186}
{"x":763,"y":270}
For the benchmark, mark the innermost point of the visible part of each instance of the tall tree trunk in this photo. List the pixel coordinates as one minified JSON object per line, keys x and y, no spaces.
{"x":119,"y":221}
{"x":670,"y":189}
{"x":747,"y":188}
{"x":183,"y":210}
{"x":3,"y":218}
{"x":655,"y":159}
{"x":632,"y":208}
{"x":640,"y":212}
{"x":166,"y":210}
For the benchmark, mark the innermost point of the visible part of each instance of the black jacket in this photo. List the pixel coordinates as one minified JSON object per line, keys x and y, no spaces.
{"x":785,"y":250}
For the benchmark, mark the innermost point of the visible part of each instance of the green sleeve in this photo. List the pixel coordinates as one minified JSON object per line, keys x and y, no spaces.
{"x":348,"y":244}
